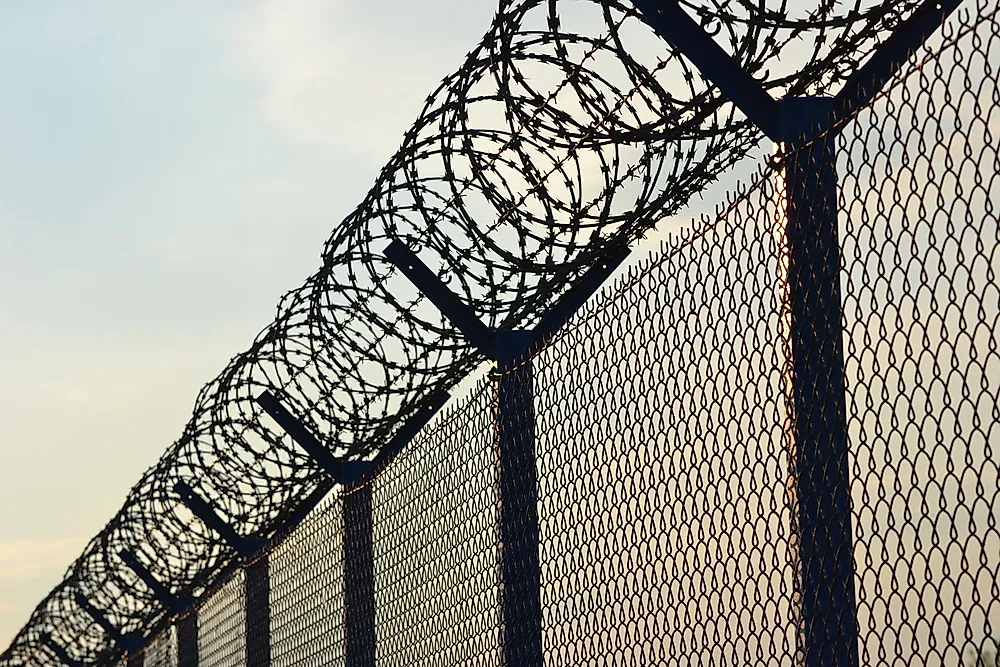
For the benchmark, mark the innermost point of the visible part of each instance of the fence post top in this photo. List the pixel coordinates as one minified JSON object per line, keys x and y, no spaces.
{"x":801,"y":119}
{"x":510,"y":344}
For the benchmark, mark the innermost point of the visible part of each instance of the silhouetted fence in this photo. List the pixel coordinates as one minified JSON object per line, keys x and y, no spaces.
{"x":776,"y":441}
{"x":773,"y":442}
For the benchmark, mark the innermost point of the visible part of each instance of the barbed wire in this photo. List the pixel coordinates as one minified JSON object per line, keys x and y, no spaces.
{"x":568,"y":131}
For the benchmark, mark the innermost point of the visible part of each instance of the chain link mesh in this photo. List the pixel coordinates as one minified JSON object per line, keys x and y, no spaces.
{"x":162,"y":650}
{"x":222,"y":625}
{"x":665,"y":532}
{"x":307,"y":598}
{"x":921,"y":246}
{"x":435,"y":545}
{"x":668,"y":519}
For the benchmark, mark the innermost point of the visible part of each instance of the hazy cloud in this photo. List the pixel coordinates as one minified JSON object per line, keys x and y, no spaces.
{"x":343,"y":76}
{"x":23,"y":559}
{"x":305,"y":56}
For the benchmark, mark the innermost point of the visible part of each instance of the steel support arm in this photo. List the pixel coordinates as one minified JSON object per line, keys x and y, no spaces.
{"x":58,"y":650}
{"x":109,"y":629}
{"x":343,"y":472}
{"x":204,"y":511}
{"x":451,"y":306}
{"x":167,"y":599}
{"x":862,"y":87}
{"x":682,"y":32}
{"x":573,"y":300}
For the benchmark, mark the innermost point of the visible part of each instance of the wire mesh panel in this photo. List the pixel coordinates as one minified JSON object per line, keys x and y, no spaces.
{"x":221,"y":626}
{"x":669,"y":496}
{"x":775,"y":442}
{"x":307,"y":592}
{"x":920,"y":188}
{"x":436,"y":546}
{"x":162,"y":650}
{"x":662,"y":472}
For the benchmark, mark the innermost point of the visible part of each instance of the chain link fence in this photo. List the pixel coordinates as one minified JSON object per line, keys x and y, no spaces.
{"x":674,"y":513}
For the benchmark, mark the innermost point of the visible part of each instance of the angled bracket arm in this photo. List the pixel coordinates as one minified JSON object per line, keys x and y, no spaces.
{"x":58,"y":650}
{"x":446,"y":301}
{"x":497,"y":345}
{"x":204,"y":511}
{"x":411,"y":427}
{"x":342,"y":472}
{"x":573,"y":300}
{"x":162,"y":593}
{"x":682,"y":32}
{"x":110,"y":630}
{"x":862,"y":87}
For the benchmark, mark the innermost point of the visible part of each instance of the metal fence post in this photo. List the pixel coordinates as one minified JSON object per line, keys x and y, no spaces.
{"x":359,"y":577}
{"x":816,"y":422}
{"x":187,"y":640}
{"x":257,"y":592}
{"x":518,"y":482}
{"x":514,"y":432}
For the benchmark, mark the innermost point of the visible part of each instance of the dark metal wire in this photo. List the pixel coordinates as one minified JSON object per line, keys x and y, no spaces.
{"x":569,"y":131}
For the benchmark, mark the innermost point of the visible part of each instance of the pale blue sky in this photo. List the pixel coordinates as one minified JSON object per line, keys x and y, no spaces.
{"x":167,"y":171}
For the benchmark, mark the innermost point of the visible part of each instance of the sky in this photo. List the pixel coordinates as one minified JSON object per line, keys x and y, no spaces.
{"x":167,"y":171}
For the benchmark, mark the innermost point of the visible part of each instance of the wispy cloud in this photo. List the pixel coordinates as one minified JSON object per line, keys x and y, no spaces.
{"x":25,"y":559}
{"x":322,"y":81}
{"x":330,"y":73}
